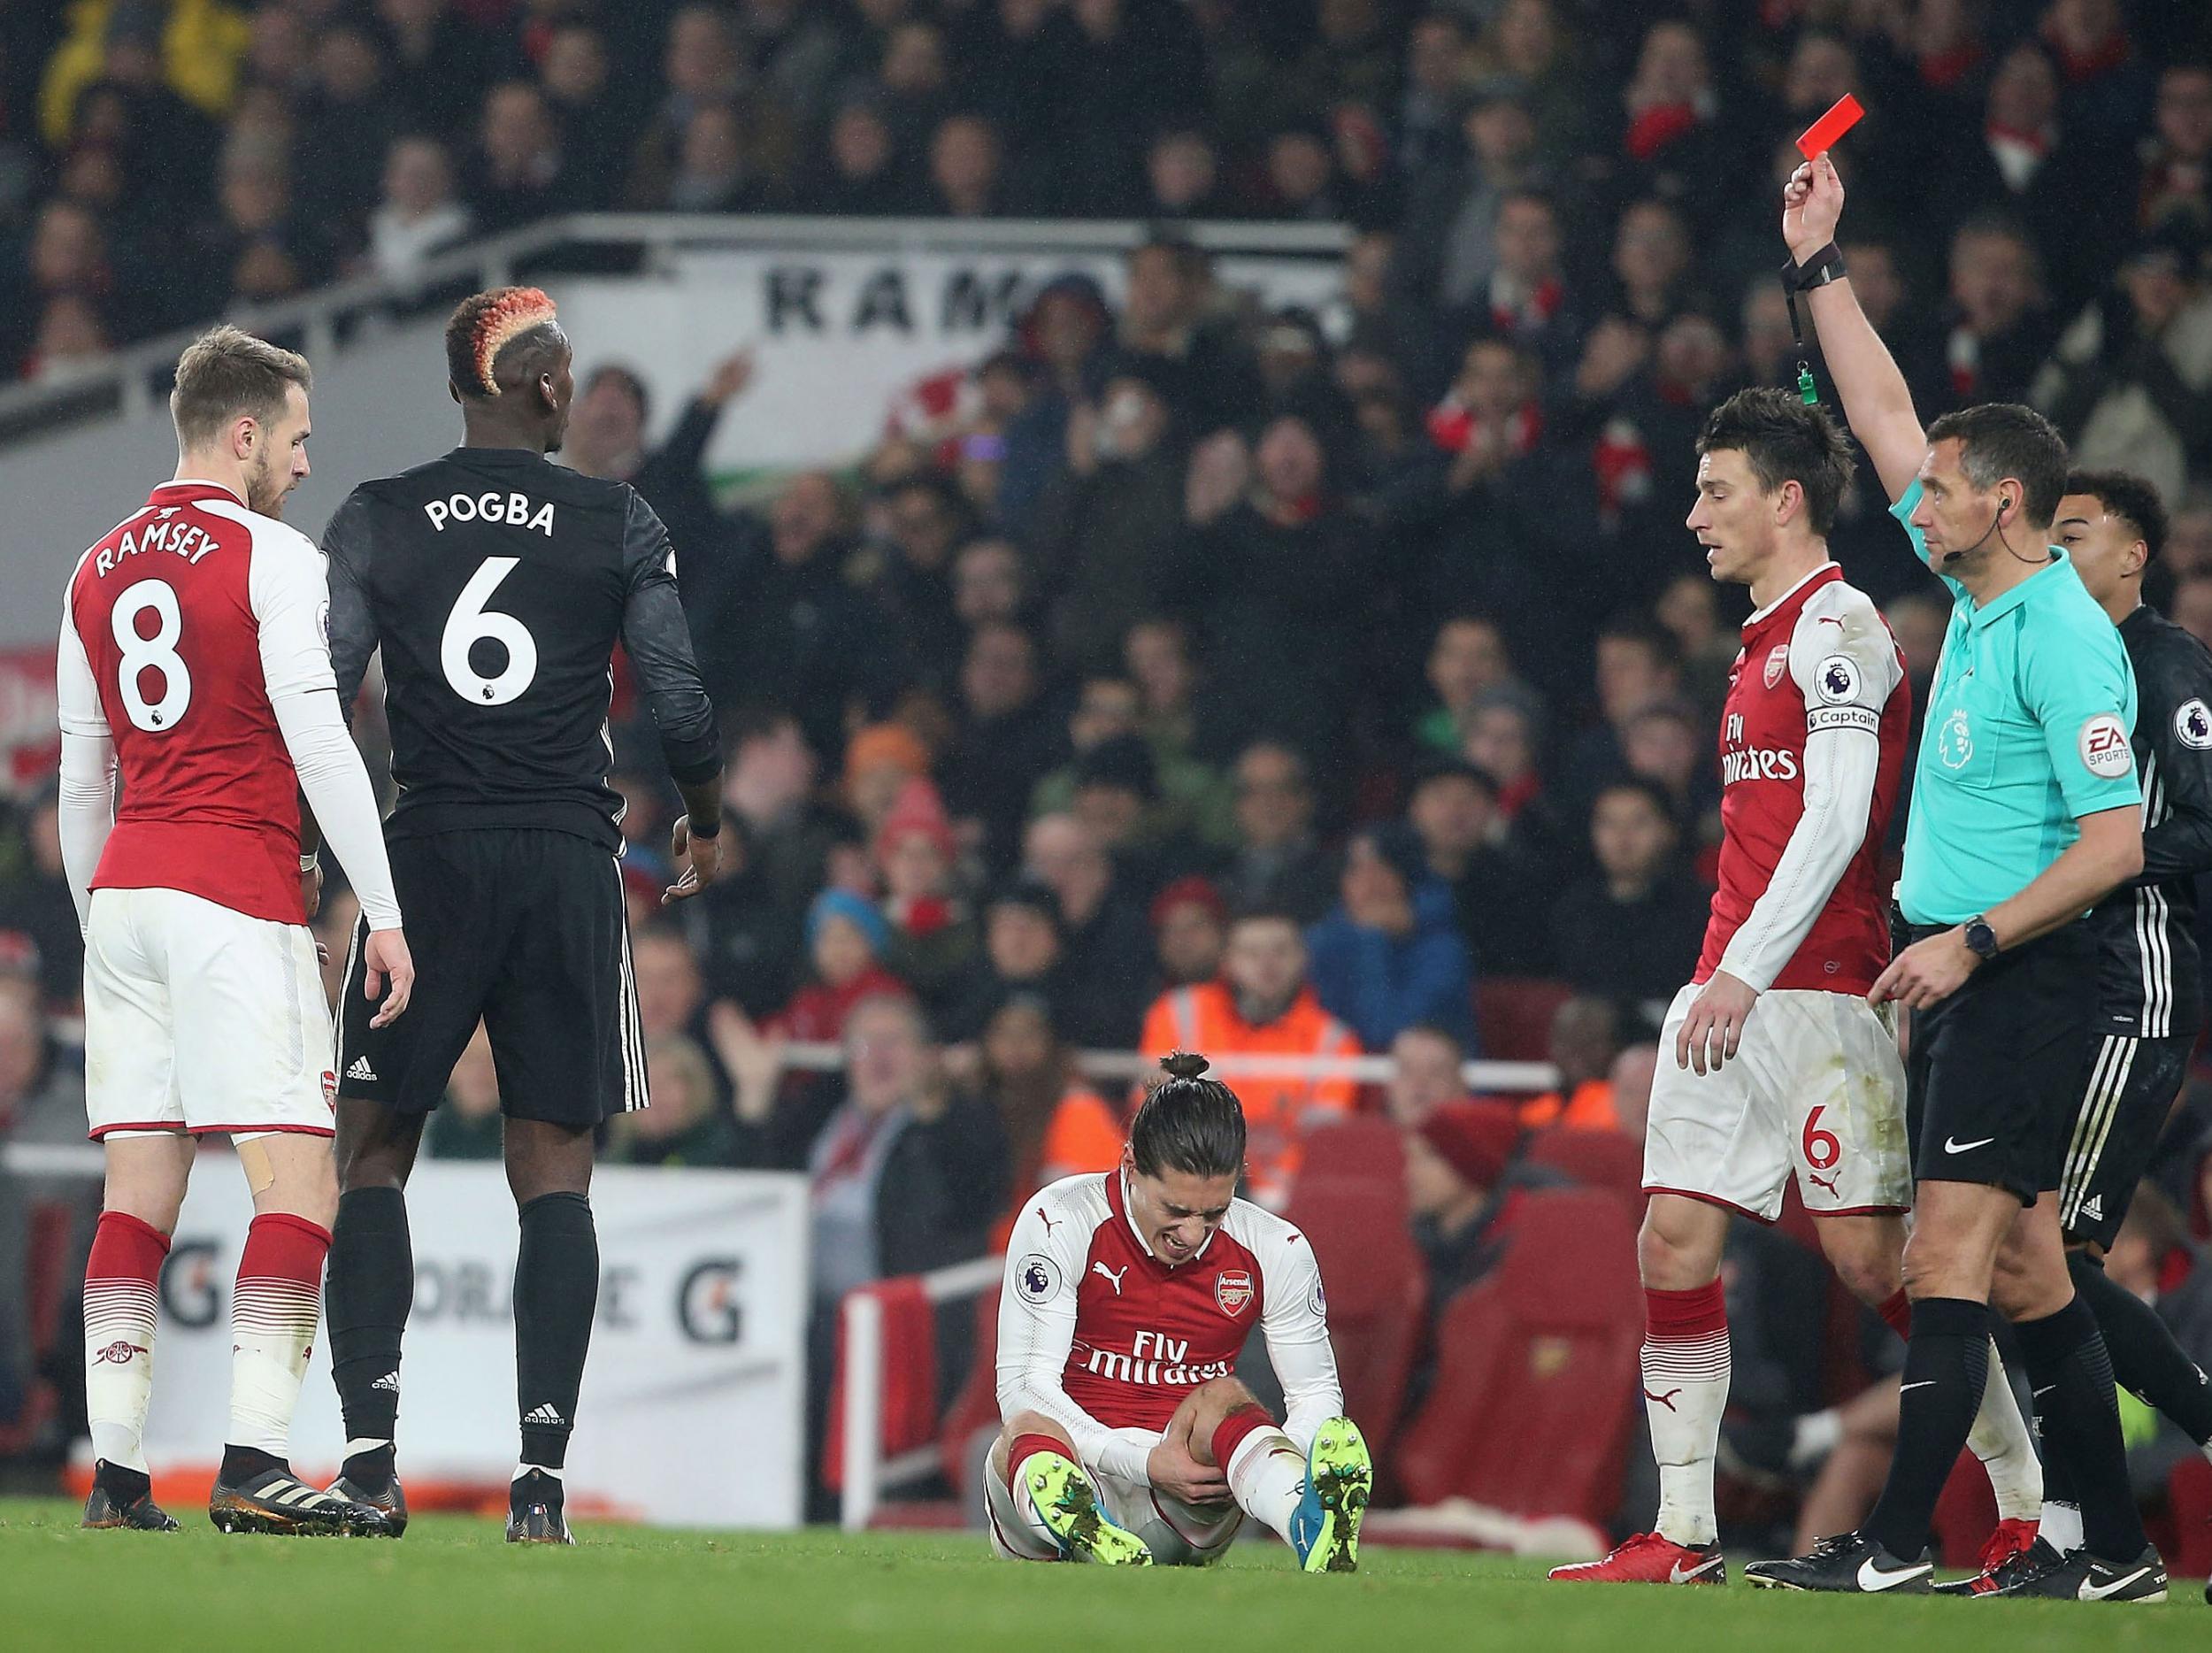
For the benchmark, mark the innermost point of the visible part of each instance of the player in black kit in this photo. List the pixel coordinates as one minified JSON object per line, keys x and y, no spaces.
{"x":2149,"y":987}
{"x":497,"y":585}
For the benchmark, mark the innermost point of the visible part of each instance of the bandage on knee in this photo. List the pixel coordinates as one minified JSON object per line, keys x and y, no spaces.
{"x":253,"y":1159}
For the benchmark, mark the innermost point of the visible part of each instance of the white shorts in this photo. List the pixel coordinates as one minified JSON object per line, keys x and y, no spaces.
{"x":200,"y":1018}
{"x":1177,"y":1534}
{"x":1816,"y":1083}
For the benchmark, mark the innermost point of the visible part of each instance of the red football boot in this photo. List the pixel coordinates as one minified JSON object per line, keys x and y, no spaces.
{"x":2002,"y":1558}
{"x":1648,"y":1559}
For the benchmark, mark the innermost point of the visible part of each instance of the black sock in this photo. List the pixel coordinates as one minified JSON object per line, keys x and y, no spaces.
{"x":369,"y":1285}
{"x":371,"y":1472}
{"x":537,"y":1486}
{"x":1947,"y":1362}
{"x":2072,"y":1375}
{"x":122,"y":1486}
{"x":557,"y":1290}
{"x":241,"y":1463}
{"x":2145,"y":1359}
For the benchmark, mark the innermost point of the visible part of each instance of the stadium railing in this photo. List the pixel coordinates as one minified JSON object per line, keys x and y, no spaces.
{"x":869,"y":1472}
{"x":132,"y":381}
{"x":66,"y":1159}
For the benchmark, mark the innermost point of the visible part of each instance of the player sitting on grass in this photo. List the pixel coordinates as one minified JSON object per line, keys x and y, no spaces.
{"x":1128,"y":1296}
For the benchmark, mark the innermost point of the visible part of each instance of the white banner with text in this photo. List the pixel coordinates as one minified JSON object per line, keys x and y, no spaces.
{"x":692,"y":1406}
{"x":845,"y":342}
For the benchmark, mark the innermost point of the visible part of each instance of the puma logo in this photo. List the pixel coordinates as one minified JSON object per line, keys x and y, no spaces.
{"x":1666,"y":1400}
{"x":1045,"y":1217}
{"x":1112,"y":1274}
{"x":1828,"y":1183}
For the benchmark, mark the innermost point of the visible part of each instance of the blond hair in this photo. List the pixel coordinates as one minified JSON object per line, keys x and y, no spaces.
{"x":225,"y":374}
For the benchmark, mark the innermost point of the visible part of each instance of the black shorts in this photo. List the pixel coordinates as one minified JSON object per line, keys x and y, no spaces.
{"x":2121,"y":1114}
{"x":527,"y":930}
{"x":1992,"y":1077}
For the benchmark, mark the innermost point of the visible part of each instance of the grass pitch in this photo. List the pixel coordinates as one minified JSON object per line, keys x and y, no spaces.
{"x":452,"y":1583}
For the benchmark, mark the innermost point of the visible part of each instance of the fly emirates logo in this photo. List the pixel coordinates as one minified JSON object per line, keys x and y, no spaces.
{"x":1154,"y":1360}
{"x":1757,"y":763}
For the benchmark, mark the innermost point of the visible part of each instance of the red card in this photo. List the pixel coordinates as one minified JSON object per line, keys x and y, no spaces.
{"x":1823,"y":134}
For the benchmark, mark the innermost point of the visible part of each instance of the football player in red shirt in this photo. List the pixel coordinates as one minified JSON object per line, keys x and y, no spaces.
{"x":194,"y":658}
{"x":1128,"y":1440}
{"x":1780,"y":1064}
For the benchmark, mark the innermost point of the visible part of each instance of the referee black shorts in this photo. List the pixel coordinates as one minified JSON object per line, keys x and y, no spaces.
{"x":526,"y":929}
{"x":1993,"y":1076}
{"x":2122,"y":1112}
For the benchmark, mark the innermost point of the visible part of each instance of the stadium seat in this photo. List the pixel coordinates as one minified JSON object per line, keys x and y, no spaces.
{"x":1533,"y":1409}
{"x":1377,"y":1289}
{"x":910,"y":1377}
{"x":1359,"y":1146}
{"x":2189,"y":1506}
{"x":1965,"y":1515}
{"x":49,"y":1277}
{"x":1514,"y":1014}
{"x":1596,"y":1159}
{"x":974,"y":1410}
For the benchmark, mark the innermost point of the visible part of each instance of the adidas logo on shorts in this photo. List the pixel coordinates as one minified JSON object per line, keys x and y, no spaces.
{"x":360,"y":1069}
{"x":390,"y":1380}
{"x":2092,"y":1208}
{"x":544,"y":1414}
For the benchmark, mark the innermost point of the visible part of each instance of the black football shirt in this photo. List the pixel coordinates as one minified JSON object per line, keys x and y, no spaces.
{"x":497,"y":585}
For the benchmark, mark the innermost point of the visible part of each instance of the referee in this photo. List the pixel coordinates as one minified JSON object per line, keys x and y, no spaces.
{"x":2149,"y":982}
{"x":496,"y":585}
{"x":2026,"y":812}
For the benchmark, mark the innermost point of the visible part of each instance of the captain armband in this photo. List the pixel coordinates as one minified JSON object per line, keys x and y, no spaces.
{"x":1820,"y":717}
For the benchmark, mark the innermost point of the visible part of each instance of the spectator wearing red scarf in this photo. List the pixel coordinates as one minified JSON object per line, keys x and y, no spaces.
{"x":931,"y":937}
{"x":847,"y":937}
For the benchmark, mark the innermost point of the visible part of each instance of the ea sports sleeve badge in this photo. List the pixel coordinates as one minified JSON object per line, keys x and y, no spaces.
{"x":2103,"y":743}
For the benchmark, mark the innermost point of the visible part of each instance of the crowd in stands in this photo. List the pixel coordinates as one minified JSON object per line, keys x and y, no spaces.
{"x":1245,"y":682}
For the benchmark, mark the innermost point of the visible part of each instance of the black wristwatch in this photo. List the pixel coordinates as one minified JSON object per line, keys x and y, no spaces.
{"x":1981,"y":940}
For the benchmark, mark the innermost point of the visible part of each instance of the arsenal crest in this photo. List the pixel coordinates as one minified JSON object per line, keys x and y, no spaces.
{"x":1778,"y":663}
{"x":1232,"y":1290}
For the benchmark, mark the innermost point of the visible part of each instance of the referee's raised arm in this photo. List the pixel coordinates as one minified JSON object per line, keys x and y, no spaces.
{"x":1875,"y":398}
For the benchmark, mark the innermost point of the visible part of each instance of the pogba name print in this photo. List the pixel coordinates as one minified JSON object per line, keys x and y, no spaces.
{"x":515,"y":510}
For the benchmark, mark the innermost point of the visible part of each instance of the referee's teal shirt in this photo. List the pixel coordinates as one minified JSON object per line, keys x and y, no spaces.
{"x":2027,"y":731}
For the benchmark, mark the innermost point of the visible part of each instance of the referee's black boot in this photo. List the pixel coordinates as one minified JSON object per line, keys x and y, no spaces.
{"x":2082,"y":1577}
{"x":1850,"y":1563}
{"x":534,"y":1512}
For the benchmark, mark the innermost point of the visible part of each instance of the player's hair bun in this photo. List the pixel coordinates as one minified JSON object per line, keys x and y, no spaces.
{"x":1185,"y":1065}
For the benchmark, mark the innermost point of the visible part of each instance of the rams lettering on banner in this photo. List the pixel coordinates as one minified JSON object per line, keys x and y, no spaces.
{"x":962,"y":299}
{"x":848,"y":344}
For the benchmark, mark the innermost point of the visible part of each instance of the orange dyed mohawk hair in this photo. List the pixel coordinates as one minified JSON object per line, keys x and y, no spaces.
{"x":485,"y":324}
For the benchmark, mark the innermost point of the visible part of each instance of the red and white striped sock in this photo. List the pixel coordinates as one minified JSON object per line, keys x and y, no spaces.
{"x":272,"y":1317}
{"x":121,"y":1301}
{"x":1686,"y":1389}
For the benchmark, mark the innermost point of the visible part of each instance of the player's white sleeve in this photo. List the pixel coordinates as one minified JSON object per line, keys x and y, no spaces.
{"x":1296,"y":1326}
{"x":1843,"y":658}
{"x":85,"y":800}
{"x":291,"y":603}
{"x":1036,"y":1328}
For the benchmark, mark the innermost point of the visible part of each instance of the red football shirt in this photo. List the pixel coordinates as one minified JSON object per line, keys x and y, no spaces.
{"x":1803,"y":909}
{"x":1101,"y":1336}
{"x":185,"y":619}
